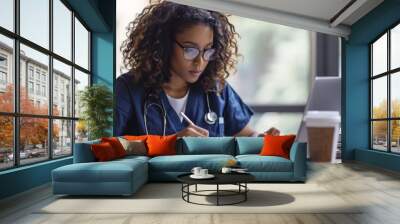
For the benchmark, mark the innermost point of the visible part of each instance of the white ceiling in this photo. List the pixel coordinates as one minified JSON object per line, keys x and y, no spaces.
{"x":313,"y":15}
{"x":320,"y":9}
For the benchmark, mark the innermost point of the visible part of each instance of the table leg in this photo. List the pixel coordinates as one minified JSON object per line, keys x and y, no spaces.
{"x":217,"y":194}
{"x":188,"y":189}
{"x":245,"y":193}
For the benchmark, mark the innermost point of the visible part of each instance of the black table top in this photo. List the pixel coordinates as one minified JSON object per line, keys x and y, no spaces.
{"x":220,"y":178}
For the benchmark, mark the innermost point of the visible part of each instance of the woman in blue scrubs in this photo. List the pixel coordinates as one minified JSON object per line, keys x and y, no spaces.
{"x":178,"y":59}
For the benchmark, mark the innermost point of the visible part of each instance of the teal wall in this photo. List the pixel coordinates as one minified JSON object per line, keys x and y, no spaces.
{"x":356,"y":101}
{"x":24,"y":178}
{"x":99,"y":16}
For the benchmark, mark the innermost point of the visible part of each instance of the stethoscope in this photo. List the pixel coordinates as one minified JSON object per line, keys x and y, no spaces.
{"x":210,"y":117}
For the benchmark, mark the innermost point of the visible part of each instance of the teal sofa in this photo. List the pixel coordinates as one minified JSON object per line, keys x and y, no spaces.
{"x":125,"y":176}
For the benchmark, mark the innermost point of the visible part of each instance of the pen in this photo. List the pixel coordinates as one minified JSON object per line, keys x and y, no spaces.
{"x":187,"y":119}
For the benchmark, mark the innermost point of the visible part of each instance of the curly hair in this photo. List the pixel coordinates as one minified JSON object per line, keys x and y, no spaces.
{"x":148,"y":48}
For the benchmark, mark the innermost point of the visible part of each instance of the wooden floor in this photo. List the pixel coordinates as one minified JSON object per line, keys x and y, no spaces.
{"x":379,"y":189}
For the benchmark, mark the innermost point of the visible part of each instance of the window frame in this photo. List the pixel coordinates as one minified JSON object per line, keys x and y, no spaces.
{"x":16,"y":114}
{"x":388,"y":74}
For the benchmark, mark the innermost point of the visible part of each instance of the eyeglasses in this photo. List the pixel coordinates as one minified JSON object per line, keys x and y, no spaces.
{"x":190,"y":53}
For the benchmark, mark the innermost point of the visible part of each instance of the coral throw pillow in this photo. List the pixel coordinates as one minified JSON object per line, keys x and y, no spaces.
{"x":161,"y":145}
{"x":116,"y":145}
{"x":103,"y":152}
{"x":277,"y":145}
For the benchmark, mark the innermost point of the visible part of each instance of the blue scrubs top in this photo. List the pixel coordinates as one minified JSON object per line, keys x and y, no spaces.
{"x":233,"y":113}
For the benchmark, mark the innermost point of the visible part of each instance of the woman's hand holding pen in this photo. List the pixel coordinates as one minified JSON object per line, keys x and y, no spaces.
{"x":192,"y":129}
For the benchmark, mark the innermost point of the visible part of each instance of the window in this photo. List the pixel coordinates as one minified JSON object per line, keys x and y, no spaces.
{"x":3,"y":71}
{"x":37,"y":74}
{"x":385,"y":94}
{"x":81,"y":45}
{"x":271,"y":78}
{"x":30,"y":72}
{"x":43,"y":90}
{"x":54,"y":125}
{"x":7,"y":14}
{"x":30,"y":87}
{"x":62,"y":75}
{"x":3,"y":78}
{"x":3,"y":61}
{"x":38,"y":89}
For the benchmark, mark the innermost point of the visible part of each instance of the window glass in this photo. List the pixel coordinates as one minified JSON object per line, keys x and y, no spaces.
{"x":33,"y":140}
{"x":81,"y":131}
{"x":7,"y":14}
{"x":379,"y":135}
{"x":81,"y":45}
{"x":81,"y":81}
{"x":270,"y":71}
{"x":6,"y":74}
{"x":379,"y":56}
{"x":395,"y":95}
{"x":62,"y":29}
{"x":395,"y":47}
{"x":62,"y":91}
{"x":287,"y":123}
{"x":39,"y":62}
{"x":35,"y":21}
{"x":62,"y":141}
{"x":395,"y":136}
{"x":379,"y":98}
{"x":6,"y":142}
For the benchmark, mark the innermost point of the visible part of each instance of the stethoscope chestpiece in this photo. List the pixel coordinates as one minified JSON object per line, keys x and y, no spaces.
{"x":210,"y":117}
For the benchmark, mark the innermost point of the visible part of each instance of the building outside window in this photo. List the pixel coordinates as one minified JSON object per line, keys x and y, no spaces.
{"x":385,"y":91}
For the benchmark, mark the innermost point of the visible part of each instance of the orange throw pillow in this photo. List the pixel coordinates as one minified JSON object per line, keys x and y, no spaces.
{"x":277,"y":145}
{"x":103,"y":151}
{"x":116,"y":145}
{"x":135,"y":137}
{"x":161,"y":145}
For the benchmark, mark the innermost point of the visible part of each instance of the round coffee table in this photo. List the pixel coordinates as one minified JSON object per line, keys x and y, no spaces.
{"x":238,"y":179}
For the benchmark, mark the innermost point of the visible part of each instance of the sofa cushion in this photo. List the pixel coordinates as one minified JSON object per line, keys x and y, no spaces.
{"x":134,"y":147}
{"x":277,"y":145}
{"x":249,"y":145}
{"x":116,"y":145}
{"x":111,"y":171}
{"x":103,"y":152}
{"x":207,"y":145}
{"x":161,"y":145}
{"x":257,"y":163}
{"x":185,"y":163}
